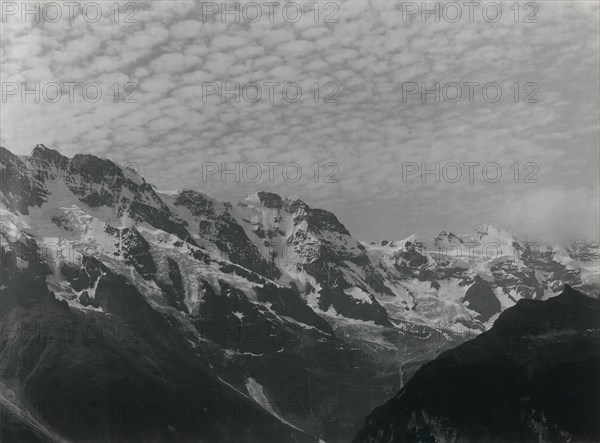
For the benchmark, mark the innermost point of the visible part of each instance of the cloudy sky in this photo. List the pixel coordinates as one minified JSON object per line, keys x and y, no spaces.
{"x":361,"y":120}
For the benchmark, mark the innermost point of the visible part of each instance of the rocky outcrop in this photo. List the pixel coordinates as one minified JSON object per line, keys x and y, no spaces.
{"x":481,"y":299}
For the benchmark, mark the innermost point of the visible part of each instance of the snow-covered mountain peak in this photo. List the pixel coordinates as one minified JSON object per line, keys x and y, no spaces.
{"x":43,"y":152}
{"x":412,"y":241}
{"x":264,"y":199}
{"x":88,"y":200}
{"x":491,"y":233}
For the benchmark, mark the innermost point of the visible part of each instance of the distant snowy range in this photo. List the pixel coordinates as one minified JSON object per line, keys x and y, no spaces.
{"x":132,"y":315}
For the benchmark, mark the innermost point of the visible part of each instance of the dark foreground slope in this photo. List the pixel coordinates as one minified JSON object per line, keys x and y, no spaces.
{"x":535,"y":376}
{"x":126,"y":377}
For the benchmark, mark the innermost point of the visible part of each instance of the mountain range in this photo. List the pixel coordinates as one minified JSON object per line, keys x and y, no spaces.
{"x":131,"y":313}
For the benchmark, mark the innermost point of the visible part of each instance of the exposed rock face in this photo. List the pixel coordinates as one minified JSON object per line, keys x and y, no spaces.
{"x":481,"y":299}
{"x":314,"y":248}
{"x":532,"y":377}
{"x":101,"y":183}
{"x":19,"y":191}
{"x":215,"y":222}
{"x":131,"y":245}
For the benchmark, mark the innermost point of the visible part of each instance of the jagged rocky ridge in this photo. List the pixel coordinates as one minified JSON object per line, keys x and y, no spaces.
{"x":275,"y":298}
{"x":469,"y":279}
{"x":532,"y":377}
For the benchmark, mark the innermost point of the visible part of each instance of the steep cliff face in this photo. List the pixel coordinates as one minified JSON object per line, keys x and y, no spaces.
{"x":20,"y":191}
{"x":214,"y":225}
{"x":313,"y":249}
{"x":532,"y":377}
{"x":103,"y":188}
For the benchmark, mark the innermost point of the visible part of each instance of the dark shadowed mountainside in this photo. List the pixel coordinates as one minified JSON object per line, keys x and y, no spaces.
{"x":534,"y":376}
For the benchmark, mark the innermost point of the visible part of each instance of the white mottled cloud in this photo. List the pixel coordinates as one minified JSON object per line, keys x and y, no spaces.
{"x":352,"y":129}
